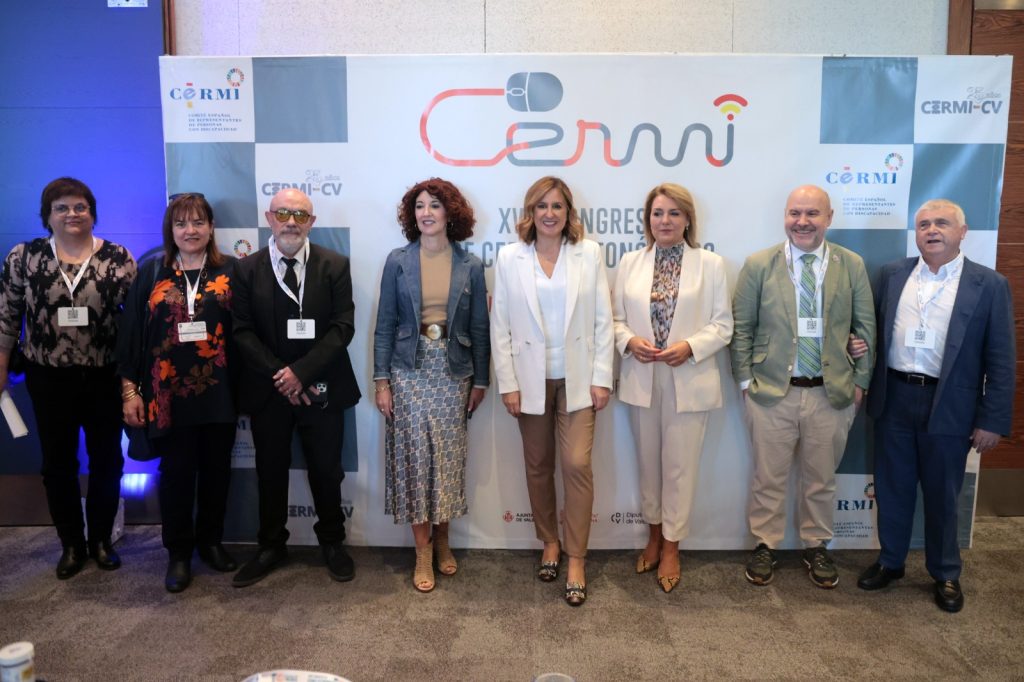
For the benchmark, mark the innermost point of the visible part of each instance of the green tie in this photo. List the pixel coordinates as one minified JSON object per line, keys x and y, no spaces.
{"x":808,"y":347}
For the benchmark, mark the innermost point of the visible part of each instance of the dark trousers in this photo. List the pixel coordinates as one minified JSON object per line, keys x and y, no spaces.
{"x":905,"y":455}
{"x":321,"y":434}
{"x":195,"y":470}
{"x":67,"y":400}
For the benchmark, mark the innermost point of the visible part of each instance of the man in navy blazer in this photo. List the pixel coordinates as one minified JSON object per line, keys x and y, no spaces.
{"x":293,"y":320}
{"x":943,"y":383}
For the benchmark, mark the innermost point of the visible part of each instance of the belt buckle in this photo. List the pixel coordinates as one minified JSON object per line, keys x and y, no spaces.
{"x":433,"y":332}
{"x":916,"y":379}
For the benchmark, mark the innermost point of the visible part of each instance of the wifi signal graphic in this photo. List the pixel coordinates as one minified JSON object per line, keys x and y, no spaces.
{"x":730,"y":105}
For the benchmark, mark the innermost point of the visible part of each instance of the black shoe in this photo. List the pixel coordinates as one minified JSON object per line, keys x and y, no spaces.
{"x":339,"y":563}
{"x":575,"y":594}
{"x":876,"y":576}
{"x":948,"y":595}
{"x":105,"y":556}
{"x":217,"y":558}
{"x":179,"y":575}
{"x":260,"y":566}
{"x":548,"y":570}
{"x":72,"y":560}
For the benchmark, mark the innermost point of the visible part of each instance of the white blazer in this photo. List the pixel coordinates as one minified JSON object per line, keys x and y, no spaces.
{"x":517,"y":336}
{"x":703,"y":318}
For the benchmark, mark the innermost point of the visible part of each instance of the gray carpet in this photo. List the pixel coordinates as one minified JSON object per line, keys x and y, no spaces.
{"x":495,"y":621}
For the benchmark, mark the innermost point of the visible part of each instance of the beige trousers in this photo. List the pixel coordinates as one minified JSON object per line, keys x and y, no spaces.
{"x":575,"y":440}
{"x":668,"y":447}
{"x":802,"y":428}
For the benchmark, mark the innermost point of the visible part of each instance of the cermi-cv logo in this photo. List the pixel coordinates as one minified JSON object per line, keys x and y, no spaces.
{"x":977,"y":100}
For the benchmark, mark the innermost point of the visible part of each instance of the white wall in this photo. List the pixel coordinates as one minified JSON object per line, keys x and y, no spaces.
{"x":291,"y":27}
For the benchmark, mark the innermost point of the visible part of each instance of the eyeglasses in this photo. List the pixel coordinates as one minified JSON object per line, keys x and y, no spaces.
{"x":64,"y":209}
{"x":301,"y":217}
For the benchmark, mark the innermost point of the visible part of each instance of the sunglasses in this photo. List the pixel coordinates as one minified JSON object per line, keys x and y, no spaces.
{"x":301,"y":217}
{"x":179,"y":195}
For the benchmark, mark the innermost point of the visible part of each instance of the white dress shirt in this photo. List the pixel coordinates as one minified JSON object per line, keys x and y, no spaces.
{"x":798,"y":271}
{"x":280,"y":267}
{"x":926,"y":303}
{"x":551,"y":297}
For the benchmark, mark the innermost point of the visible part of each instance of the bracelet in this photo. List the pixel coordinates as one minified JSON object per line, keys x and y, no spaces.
{"x":129,"y":394}
{"x":381,"y":388}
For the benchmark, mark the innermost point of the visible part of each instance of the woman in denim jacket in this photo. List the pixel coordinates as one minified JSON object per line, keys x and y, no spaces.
{"x":431,"y":355}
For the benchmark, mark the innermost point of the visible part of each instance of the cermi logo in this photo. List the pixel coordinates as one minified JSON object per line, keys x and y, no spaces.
{"x":866,"y":504}
{"x":190,"y":93}
{"x":541,"y":92}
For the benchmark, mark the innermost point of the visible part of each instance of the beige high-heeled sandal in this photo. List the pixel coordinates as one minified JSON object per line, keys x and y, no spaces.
{"x":423,"y":574}
{"x":446,"y":563}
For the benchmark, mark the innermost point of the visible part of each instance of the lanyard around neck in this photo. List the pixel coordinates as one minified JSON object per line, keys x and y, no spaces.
{"x":190,"y":290}
{"x":922,"y":304}
{"x":792,"y":270}
{"x":302,"y":280}
{"x":72,"y":284}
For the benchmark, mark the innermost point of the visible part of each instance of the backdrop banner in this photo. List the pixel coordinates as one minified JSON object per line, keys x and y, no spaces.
{"x":881,"y":134}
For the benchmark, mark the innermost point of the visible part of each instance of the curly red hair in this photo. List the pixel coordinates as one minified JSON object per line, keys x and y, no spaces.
{"x":460,"y":214}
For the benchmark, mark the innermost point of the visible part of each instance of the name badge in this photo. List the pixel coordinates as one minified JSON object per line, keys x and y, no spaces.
{"x":191,"y":331}
{"x":301,"y":329}
{"x":73,"y":316}
{"x":920,"y":338}
{"x":809,"y":326}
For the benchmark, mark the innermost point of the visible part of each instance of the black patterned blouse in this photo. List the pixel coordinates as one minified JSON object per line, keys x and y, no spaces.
{"x":31,"y":288}
{"x":668,"y":264}
{"x":182,"y":382}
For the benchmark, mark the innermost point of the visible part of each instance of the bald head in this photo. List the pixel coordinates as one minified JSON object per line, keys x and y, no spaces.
{"x":808,"y":216}
{"x":290,"y":218}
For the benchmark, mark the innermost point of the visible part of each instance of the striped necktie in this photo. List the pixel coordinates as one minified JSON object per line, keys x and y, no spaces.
{"x":809,"y":347}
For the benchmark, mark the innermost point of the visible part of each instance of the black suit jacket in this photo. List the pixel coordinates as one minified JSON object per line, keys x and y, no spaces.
{"x":327,"y":299}
{"x":977,"y":379}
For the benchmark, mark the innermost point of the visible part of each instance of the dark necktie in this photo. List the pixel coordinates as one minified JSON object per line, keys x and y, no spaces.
{"x":290,"y":279}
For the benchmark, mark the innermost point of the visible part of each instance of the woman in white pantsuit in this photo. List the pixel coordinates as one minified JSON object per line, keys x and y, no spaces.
{"x":672,"y":316}
{"x":553,"y":350}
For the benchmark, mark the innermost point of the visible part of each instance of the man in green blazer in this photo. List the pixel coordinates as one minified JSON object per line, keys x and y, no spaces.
{"x":795,"y":306}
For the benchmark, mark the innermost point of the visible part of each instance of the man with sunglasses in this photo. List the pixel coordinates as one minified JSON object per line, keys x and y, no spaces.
{"x":293,"y":321}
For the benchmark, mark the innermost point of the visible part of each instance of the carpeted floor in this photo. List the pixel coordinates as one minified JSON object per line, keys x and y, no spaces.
{"x":495,"y":621}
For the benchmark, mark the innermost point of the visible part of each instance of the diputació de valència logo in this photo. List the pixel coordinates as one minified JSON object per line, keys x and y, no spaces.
{"x":538,"y":92}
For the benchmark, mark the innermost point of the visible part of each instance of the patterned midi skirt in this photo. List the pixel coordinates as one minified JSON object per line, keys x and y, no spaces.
{"x":425,"y":444}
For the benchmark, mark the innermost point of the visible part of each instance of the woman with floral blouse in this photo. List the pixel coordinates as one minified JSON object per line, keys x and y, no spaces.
{"x":173,"y":356}
{"x":68,"y":287}
{"x":672,"y":317}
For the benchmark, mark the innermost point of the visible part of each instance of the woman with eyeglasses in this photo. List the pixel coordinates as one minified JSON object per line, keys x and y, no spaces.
{"x":176,"y":364}
{"x":68,"y":288}
{"x":551,"y":331}
{"x":431,"y":365}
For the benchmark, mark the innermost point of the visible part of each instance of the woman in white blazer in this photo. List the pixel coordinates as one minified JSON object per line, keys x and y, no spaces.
{"x":553,"y":348}
{"x":672,"y":316}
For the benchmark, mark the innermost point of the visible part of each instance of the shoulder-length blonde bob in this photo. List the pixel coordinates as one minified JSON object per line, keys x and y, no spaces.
{"x":527,"y":231}
{"x":684,"y":200}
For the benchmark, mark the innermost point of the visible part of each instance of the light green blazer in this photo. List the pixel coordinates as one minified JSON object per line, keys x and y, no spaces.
{"x":764,"y":339}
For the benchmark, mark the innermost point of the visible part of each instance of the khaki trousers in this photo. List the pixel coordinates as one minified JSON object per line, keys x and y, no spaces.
{"x":668,"y":447}
{"x":575,"y":434}
{"x":804,"y":427}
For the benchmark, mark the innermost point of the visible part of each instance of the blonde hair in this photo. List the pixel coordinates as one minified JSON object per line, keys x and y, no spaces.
{"x":527,"y":231}
{"x":684,"y":200}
